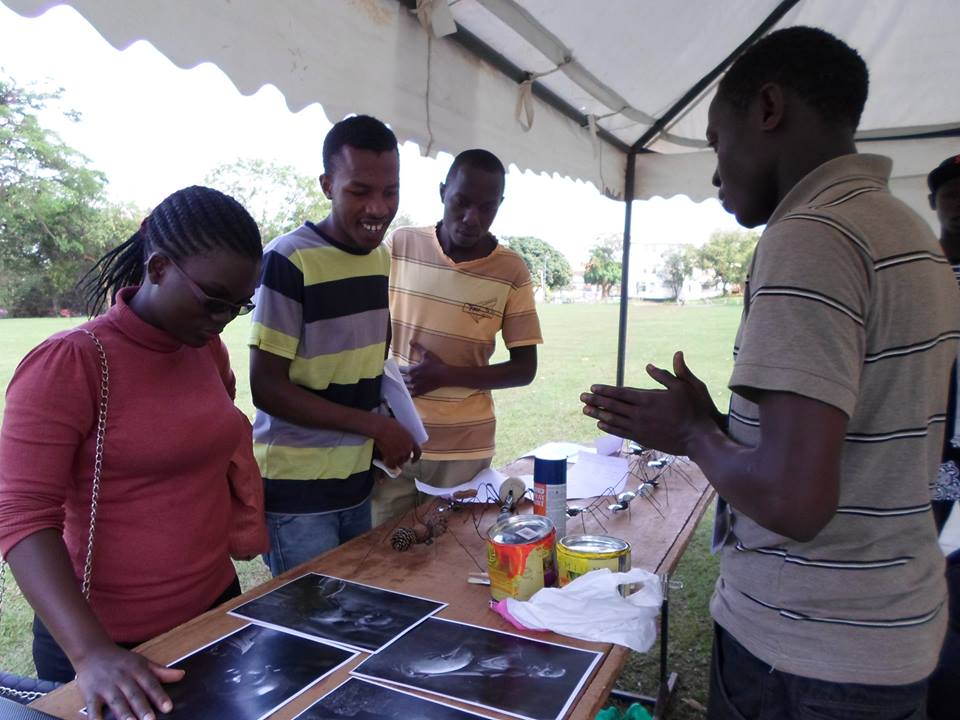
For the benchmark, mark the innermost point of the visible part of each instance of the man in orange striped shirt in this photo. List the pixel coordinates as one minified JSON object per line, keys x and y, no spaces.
{"x":453,"y":287}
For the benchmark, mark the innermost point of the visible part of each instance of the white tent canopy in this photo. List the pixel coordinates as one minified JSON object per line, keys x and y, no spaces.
{"x":609,"y":77}
{"x":614,"y":92}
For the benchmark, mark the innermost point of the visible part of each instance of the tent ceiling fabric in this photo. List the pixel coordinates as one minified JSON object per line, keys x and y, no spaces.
{"x":623,"y":62}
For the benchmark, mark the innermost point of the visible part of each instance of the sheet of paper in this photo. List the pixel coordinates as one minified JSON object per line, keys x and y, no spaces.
{"x":484,"y":667}
{"x":249,"y":674}
{"x":596,"y":475}
{"x":392,"y":472}
{"x":345,"y":613}
{"x":395,"y":392}
{"x":487,"y":484}
{"x":568,"y":450}
{"x":608,"y":444}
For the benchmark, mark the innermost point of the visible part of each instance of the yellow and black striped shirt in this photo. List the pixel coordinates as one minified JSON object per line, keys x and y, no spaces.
{"x":325,"y":308}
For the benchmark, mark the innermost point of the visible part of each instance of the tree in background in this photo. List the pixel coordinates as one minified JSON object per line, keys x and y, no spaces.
{"x":401,"y":219}
{"x":677,"y":267}
{"x":604,"y":268}
{"x":727,"y":255}
{"x":545,"y":263}
{"x":54,"y":221}
{"x":278,"y":197}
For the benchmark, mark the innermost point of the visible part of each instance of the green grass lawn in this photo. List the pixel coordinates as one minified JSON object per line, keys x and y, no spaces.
{"x":580,"y":343}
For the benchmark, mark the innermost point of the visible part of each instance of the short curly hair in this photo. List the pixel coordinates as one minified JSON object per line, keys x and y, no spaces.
{"x":821,"y":69}
{"x":358,"y":131}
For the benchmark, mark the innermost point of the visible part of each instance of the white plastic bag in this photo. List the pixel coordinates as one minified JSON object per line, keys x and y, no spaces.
{"x":591,"y":608}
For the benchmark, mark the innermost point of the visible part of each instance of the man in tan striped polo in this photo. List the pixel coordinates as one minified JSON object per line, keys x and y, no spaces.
{"x":453,"y":288}
{"x":831,"y":597}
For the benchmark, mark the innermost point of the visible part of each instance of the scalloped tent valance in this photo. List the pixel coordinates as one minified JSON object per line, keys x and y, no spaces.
{"x":558,"y":86}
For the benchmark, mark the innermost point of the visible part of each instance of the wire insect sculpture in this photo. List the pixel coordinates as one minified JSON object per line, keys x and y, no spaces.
{"x":647,"y":477}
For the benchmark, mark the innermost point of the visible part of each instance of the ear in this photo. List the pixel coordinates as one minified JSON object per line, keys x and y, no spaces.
{"x":443,"y":190}
{"x":932,"y":199}
{"x":326,"y":184}
{"x":772,"y":102}
{"x":157,"y":266}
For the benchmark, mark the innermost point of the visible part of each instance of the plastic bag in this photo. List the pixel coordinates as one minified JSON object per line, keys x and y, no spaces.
{"x":591,"y":608}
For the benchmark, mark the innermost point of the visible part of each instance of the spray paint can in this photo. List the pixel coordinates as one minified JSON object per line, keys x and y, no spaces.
{"x":550,"y":491}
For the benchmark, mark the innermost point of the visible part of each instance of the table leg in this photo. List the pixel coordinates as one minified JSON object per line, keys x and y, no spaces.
{"x":668,"y":680}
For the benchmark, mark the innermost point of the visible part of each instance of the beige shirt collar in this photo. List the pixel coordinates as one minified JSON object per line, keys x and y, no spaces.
{"x":873,"y":169}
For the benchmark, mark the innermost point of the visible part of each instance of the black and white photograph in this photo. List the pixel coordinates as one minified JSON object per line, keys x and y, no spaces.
{"x":248,"y":674}
{"x":527,"y":678}
{"x":358,"y":699}
{"x":356,"y":616}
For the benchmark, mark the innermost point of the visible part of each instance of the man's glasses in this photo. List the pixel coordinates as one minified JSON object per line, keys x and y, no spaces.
{"x":212,"y":305}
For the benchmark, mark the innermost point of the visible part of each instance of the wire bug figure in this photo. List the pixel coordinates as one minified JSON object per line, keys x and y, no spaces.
{"x":648,"y":480}
{"x":594,"y":509}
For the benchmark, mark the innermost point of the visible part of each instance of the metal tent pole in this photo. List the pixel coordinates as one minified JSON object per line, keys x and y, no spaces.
{"x":625,"y":270}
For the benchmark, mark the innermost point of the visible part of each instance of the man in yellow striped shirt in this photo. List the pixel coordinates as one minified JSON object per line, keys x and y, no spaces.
{"x":453,"y":287}
{"x":318,"y":340}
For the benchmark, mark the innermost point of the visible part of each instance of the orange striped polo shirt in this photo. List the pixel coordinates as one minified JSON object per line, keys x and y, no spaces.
{"x":455,"y":311}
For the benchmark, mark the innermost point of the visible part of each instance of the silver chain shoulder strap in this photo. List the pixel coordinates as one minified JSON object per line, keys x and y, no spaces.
{"x":97,"y":459}
{"x":26,"y":695}
{"x":97,"y":470}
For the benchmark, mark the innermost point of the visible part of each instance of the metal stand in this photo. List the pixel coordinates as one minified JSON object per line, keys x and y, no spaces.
{"x":668,"y":680}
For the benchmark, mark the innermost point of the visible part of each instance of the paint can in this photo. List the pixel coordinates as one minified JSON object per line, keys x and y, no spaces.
{"x":520,"y":556}
{"x":550,"y":490}
{"x":579,"y":554}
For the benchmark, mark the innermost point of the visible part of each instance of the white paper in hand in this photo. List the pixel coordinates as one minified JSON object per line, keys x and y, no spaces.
{"x":394,"y":391}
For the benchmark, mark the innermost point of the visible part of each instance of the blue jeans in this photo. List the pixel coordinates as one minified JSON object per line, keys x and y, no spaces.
{"x":295,"y":539}
{"x":744,"y":687}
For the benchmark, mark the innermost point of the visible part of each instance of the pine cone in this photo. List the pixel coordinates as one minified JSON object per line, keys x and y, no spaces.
{"x":403,"y":539}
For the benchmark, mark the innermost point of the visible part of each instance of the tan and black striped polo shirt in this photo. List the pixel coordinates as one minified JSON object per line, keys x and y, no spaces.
{"x":850,"y":302}
{"x":456,"y":310}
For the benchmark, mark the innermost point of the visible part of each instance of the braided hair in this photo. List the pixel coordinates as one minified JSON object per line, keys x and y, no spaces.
{"x":189,"y":222}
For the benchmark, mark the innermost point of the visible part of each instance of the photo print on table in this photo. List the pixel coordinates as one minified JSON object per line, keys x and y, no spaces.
{"x":527,"y":678}
{"x":249,"y":674}
{"x":356,"y":616}
{"x":358,"y":699}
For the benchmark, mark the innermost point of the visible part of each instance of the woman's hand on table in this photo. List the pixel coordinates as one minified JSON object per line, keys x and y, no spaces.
{"x":125,"y":682}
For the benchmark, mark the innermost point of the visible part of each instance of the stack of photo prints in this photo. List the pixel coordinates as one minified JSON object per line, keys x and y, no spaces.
{"x":303,"y":631}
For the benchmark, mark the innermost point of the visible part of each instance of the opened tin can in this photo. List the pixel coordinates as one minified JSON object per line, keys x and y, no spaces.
{"x":579,"y":554}
{"x":520,"y":557}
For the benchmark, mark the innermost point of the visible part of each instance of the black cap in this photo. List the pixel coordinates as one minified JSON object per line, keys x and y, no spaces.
{"x":947,"y":170}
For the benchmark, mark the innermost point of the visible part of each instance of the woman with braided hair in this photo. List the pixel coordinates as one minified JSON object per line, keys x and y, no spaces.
{"x":160,"y":549}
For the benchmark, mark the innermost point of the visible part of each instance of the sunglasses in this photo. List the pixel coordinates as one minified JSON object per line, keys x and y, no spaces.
{"x":212,"y":305}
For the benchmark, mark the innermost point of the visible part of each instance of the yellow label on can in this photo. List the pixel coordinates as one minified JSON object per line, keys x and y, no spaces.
{"x":572,"y":564}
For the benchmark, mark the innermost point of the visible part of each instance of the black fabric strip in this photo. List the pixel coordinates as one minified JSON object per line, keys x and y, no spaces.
{"x":807,"y":294}
{"x":315,"y":496}
{"x":282,"y":276}
{"x":362,"y":395}
{"x":349,"y":296}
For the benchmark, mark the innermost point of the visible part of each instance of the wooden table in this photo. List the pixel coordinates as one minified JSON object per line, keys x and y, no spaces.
{"x":439,"y":571}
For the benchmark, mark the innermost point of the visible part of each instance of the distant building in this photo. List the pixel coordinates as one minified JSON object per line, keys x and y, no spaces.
{"x":646,"y":261}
